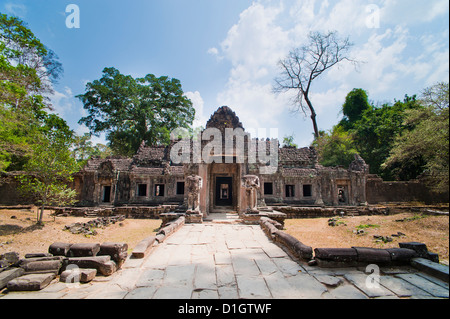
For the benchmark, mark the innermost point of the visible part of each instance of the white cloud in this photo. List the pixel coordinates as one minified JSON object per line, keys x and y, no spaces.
{"x":213,"y":51}
{"x":400,"y":57}
{"x":16,"y":9}
{"x":198,"y":103}
{"x":62,"y":103}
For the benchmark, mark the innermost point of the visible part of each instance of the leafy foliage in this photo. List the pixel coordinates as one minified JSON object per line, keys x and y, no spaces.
{"x":356,"y":103}
{"x":374,"y":135}
{"x":428,"y":139}
{"x":335,"y":148}
{"x":134,"y":110}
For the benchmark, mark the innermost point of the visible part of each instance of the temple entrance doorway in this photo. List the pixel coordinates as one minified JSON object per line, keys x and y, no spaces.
{"x":224,"y":191}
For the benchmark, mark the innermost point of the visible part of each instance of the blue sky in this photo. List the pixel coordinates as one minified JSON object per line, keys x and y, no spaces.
{"x":225,"y":52}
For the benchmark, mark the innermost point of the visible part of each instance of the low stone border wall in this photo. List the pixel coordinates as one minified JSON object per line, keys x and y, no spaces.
{"x":273,"y":230}
{"x":168,"y":228}
{"x":73,"y":262}
{"x":131,"y":212}
{"x":293,"y":212}
{"x":346,"y":257}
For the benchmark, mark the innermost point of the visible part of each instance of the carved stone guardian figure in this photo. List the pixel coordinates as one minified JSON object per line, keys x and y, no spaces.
{"x":251,"y":185}
{"x":193,"y":184}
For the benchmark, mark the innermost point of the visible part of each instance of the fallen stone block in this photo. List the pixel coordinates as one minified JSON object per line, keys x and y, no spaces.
{"x":117,"y":251}
{"x":59,"y":249}
{"x":160,"y":237}
{"x":9,"y":259}
{"x":104,"y":265}
{"x":8,"y":275}
{"x":37,"y":255}
{"x":267,"y":220}
{"x":32,"y":282}
{"x":143,"y":247}
{"x":83,"y":250}
{"x":43,"y":266}
{"x":168,"y":230}
{"x":78,"y":275}
{"x":373,"y":255}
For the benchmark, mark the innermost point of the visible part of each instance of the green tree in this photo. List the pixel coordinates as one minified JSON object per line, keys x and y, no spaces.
{"x":50,"y":168}
{"x":132,"y":110}
{"x":84,"y":149}
{"x":288,"y":141}
{"x":374,"y":134}
{"x":427,"y":140}
{"x":27,"y":70}
{"x":335,"y":148}
{"x":26,"y":62}
{"x":356,"y":103}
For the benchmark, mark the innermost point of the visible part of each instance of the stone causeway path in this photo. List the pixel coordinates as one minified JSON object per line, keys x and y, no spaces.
{"x":218,"y":260}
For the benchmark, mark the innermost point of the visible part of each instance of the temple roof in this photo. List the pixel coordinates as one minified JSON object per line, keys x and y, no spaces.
{"x":223,"y":118}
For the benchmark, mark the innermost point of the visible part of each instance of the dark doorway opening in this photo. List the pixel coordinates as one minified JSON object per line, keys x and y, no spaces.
{"x":106,"y":194}
{"x":224,"y":191}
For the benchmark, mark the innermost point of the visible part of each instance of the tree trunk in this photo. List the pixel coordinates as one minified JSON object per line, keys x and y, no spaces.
{"x":41,"y":215}
{"x":313,"y":117}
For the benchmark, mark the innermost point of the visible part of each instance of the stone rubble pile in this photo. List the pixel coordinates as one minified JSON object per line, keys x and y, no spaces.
{"x":88,"y":227}
{"x":72,"y":262}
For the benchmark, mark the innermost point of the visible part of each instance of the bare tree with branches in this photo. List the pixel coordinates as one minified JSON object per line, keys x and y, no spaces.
{"x":303,"y":65}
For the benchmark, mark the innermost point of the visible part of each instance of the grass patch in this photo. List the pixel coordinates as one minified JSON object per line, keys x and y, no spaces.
{"x":366,"y":226}
{"x":412,"y":218}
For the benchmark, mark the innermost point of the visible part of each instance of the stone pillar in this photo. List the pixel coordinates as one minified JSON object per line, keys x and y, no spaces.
{"x":251,"y":185}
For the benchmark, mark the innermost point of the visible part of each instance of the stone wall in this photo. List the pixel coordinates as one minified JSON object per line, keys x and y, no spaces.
{"x":379,"y":191}
{"x":130,"y":212}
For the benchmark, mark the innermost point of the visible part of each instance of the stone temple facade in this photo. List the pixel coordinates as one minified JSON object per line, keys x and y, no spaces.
{"x":154,"y":176}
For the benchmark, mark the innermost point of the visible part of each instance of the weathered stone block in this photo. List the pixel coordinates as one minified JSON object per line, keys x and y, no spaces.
{"x":337,"y":254}
{"x":9,"y":258}
{"x":160,"y":237}
{"x":294,"y":245}
{"x":143,"y":247}
{"x":83,"y":250}
{"x":59,"y":249}
{"x":104,"y":265}
{"x":401,"y":255}
{"x":431,"y":268}
{"x":32,"y":282}
{"x":303,"y":251}
{"x":373,"y":255}
{"x":8,"y":275}
{"x":117,"y":251}
{"x":78,"y":275}
{"x":37,"y":255}
{"x":42,"y":266}
{"x":420,"y":248}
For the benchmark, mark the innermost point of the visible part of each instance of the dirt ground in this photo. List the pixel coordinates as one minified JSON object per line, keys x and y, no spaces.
{"x":431,"y":230}
{"x":21,"y":234}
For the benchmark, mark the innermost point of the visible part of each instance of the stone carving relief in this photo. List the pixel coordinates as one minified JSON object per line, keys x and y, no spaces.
{"x":251,"y":185}
{"x":193,"y":186}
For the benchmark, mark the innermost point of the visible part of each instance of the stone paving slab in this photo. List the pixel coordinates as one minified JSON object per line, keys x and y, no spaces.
{"x":234,"y":261}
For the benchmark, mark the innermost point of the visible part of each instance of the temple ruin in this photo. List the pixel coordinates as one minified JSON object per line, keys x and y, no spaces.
{"x":152,"y":177}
